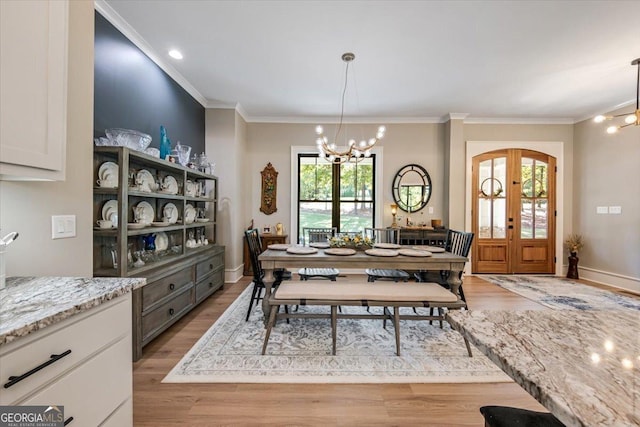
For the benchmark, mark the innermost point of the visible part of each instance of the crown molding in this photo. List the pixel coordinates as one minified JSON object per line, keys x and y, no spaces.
{"x":454,"y":116}
{"x":129,"y":32}
{"x":333,"y":119}
{"x":518,"y":121}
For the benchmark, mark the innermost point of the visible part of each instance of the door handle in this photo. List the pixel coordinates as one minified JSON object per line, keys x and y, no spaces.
{"x":516,"y":182}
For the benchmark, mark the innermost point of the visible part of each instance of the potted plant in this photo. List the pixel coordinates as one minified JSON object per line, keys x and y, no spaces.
{"x":573,"y":243}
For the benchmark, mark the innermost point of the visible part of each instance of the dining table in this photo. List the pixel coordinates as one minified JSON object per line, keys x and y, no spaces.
{"x":582,"y":365}
{"x":272,"y":259}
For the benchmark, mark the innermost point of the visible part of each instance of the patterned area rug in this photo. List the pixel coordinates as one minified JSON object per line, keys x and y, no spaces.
{"x":560,"y":293}
{"x":300,"y":352}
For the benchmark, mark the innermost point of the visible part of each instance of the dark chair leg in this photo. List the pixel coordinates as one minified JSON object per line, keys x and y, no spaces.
{"x":253,"y":298}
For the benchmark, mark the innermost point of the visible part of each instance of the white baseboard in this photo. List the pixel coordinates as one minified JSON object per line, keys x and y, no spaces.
{"x":612,"y":279}
{"x":233,"y":275}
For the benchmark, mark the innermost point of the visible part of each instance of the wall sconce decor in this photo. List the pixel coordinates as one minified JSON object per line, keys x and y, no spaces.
{"x":268,"y":197}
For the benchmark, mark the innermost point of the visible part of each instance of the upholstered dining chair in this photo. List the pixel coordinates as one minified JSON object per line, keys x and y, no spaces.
{"x":385,"y":235}
{"x":255,"y":249}
{"x":458,"y":243}
{"x":318,"y":235}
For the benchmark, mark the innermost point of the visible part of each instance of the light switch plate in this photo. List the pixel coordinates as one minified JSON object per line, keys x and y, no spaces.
{"x":616,"y":210}
{"x":63,"y":226}
{"x":602,"y":210}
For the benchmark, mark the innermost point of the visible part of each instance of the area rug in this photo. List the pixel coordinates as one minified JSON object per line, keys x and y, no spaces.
{"x":560,"y":293}
{"x":300,"y":352}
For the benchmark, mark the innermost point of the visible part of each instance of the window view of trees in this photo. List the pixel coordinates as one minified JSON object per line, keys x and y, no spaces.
{"x":319,"y":180}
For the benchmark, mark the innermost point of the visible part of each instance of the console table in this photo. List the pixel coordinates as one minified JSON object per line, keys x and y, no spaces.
{"x":423,"y":236}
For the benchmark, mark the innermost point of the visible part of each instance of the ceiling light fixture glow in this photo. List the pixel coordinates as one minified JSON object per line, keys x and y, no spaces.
{"x":351,"y":152}
{"x":632,"y":118}
{"x":175,"y":54}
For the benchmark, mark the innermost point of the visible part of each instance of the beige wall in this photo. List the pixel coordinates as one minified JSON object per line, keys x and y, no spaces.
{"x":225,"y":144}
{"x":27,"y":207}
{"x":607,"y":173}
{"x":403,"y":144}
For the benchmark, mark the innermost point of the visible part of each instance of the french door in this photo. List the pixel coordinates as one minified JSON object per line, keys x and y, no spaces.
{"x":514,"y":212}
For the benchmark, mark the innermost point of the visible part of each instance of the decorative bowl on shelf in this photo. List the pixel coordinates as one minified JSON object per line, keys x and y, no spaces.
{"x":128,"y":138}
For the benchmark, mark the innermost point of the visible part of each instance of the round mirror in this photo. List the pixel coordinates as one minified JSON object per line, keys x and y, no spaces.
{"x":412,"y":188}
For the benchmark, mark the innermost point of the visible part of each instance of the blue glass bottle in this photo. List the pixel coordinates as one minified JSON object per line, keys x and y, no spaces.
{"x":165,"y":143}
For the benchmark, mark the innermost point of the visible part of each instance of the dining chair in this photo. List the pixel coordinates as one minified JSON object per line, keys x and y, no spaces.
{"x":255,"y":249}
{"x":458,"y":243}
{"x":504,"y":416}
{"x":384,"y":235}
{"x":318,"y":235}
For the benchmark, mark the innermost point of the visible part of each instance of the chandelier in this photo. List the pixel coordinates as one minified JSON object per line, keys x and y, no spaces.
{"x":632,"y":118}
{"x":352,"y":151}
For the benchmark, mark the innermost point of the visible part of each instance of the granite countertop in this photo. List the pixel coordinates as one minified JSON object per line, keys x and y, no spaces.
{"x":28,"y":304}
{"x":583,"y":366}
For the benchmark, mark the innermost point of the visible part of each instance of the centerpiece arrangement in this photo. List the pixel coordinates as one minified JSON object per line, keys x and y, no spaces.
{"x":351,"y":240}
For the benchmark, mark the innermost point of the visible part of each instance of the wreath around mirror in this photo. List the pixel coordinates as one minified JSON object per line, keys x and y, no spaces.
{"x":411,"y":188}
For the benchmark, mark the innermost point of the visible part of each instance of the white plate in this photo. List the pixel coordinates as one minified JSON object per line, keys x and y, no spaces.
{"x":110,"y":207}
{"x":190,"y":189}
{"x":170,"y":211}
{"x":169,"y":185}
{"x":162,"y":241}
{"x":145,"y":180}
{"x":160,"y":224}
{"x":202,"y":219}
{"x":108,"y":169}
{"x":135,"y":225}
{"x":386,"y":246}
{"x":147,"y":215}
{"x":189,"y":214}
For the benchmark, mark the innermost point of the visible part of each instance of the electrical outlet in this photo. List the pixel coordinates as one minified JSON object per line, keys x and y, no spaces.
{"x":601,"y":210}
{"x":616,"y":210}
{"x":63,"y":226}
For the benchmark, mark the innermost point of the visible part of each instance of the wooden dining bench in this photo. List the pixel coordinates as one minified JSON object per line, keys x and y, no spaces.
{"x":359,"y":293}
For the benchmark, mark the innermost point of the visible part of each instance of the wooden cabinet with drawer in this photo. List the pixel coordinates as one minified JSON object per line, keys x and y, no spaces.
{"x":170,"y":294}
{"x":90,"y":348}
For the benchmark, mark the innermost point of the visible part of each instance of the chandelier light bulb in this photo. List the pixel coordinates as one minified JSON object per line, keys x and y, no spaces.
{"x":352,"y":142}
{"x":599,"y":119}
{"x":612,"y":129}
{"x":595,"y":358}
{"x":627,"y":363}
{"x":382,"y":129}
{"x":608,"y":346}
{"x":319,"y":130}
{"x":630,"y":119}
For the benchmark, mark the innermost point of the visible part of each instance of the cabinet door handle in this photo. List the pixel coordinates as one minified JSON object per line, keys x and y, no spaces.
{"x":68,"y":420}
{"x":210,"y":266}
{"x":52,"y":359}
{"x":172,"y":286}
{"x":171,"y":311}
{"x":210,"y":285}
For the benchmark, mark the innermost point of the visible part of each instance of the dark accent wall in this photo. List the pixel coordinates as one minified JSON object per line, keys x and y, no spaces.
{"x":132,"y":92}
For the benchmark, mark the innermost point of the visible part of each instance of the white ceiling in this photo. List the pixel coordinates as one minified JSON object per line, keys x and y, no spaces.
{"x":538,"y":61}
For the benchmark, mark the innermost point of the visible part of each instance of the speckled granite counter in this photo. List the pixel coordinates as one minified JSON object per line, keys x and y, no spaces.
{"x":583,"y":366}
{"x":28,"y":304}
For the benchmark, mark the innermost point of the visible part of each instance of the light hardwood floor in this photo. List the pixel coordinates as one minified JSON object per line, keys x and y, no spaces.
{"x":157,"y":404}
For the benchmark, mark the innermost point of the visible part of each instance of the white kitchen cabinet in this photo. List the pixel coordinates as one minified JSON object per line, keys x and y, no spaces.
{"x":93,"y":381}
{"x":33,"y":83}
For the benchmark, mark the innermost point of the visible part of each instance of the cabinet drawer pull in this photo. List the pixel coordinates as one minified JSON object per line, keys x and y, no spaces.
{"x":172,"y":286}
{"x":171,"y":311}
{"x":68,"y":420}
{"x":53,"y":358}
{"x":210,"y":285}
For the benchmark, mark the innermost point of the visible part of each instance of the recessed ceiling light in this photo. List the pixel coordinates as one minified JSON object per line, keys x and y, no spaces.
{"x":175,"y":54}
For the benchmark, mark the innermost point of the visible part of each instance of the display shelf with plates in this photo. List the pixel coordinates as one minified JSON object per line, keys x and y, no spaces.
{"x":165,"y":225}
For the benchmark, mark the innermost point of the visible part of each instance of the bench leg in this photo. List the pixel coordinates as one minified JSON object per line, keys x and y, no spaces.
{"x":396,"y":325}
{"x":334,"y":327}
{"x":466,"y":342}
{"x":272,"y":321}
